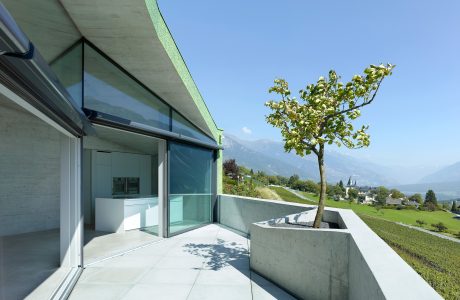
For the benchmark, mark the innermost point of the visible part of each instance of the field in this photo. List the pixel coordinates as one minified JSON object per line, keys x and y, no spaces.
{"x":436,"y":260}
{"x":406,"y":216}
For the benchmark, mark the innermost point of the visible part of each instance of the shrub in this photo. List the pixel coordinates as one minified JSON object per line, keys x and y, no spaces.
{"x":457,"y":235}
{"x":420,"y":222}
{"x":439,"y":227}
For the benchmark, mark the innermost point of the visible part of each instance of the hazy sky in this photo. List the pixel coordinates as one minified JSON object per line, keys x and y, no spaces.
{"x":234,"y":50}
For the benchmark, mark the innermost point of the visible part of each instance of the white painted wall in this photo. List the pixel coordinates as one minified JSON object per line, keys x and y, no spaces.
{"x":106,"y":165}
{"x":29,"y":172}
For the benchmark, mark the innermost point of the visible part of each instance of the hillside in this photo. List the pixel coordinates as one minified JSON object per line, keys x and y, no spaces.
{"x":270,"y":157}
{"x":447,"y":174}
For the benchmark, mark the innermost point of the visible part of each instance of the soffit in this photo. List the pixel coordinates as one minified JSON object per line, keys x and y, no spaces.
{"x":124,"y":31}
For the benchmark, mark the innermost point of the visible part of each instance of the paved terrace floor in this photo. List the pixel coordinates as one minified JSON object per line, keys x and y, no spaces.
{"x":207,"y":263}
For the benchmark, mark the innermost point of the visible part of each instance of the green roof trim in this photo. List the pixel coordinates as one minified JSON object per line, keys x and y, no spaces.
{"x":173,"y":52}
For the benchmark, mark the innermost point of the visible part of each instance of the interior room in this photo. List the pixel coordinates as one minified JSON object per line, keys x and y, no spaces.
{"x":120,"y":191}
{"x":30,"y":199}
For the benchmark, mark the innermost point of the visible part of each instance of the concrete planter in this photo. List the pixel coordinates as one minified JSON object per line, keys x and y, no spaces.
{"x":347,"y":263}
{"x":351,"y":262}
{"x":309,"y":263}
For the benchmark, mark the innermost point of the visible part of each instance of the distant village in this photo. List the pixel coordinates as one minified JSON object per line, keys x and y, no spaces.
{"x":247,"y":181}
{"x":368,"y":195}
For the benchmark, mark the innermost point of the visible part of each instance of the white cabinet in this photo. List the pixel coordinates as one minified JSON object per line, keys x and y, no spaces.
{"x":118,"y":215}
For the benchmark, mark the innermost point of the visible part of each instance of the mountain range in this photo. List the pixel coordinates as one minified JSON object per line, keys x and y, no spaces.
{"x":269,"y":156}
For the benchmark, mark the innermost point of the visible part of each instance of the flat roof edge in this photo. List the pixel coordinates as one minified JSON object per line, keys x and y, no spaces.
{"x":170,"y":46}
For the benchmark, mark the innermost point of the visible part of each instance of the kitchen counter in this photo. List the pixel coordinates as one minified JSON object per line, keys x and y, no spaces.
{"x":119,"y":215}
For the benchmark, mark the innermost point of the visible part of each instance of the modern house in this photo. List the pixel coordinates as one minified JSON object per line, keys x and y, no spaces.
{"x":109,"y":158}
{"x":102,"y":130}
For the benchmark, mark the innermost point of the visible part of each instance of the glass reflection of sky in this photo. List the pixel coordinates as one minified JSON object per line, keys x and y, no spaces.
{"x":105,"y":98}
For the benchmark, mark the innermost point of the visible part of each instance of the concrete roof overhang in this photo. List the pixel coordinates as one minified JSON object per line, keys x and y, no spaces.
{"x":132,"y":33}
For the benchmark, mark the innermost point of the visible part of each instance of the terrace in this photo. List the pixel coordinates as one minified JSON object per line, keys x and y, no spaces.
{"x":207,"y":263}
{"x":244,"y":257}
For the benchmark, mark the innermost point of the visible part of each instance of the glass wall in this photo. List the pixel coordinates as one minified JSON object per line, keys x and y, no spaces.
{"x":111,"y":91}
{"x":182,"y":126}
{"x":68,"y":69}
{"x":190,"y":193}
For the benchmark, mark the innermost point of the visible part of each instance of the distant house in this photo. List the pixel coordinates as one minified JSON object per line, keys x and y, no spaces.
{"x":412,"y":203}
{"x":368,"y":198}
{"x":392,"y":201}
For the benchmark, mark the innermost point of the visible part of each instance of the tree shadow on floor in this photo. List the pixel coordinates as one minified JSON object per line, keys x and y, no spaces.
{"x":224,"y":254}
{"x":220,"y":254}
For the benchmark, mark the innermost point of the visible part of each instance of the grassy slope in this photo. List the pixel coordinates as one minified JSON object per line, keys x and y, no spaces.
{"x":435,"y":259}
{"x":290,"y":197}
{"x":405,"y":216}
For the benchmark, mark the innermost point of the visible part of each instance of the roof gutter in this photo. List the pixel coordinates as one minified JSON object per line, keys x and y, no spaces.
{"x":24,"y":71}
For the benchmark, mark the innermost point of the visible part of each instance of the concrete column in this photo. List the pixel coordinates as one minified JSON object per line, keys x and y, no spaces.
{"x":162,"y":189}
{"x":71,"y":219}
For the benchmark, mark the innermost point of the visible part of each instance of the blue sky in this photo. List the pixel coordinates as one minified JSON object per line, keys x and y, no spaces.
{"x":234,"y":50}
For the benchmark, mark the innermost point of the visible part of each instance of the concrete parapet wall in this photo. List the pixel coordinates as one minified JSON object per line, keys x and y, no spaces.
{"x":239,"y":212}
{"x":347,"y":263}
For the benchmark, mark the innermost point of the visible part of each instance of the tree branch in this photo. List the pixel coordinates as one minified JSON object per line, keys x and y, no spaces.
{"x":356,"y":106}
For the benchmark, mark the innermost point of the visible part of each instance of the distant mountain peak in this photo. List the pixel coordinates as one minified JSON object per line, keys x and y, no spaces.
{"x":269,"y":156}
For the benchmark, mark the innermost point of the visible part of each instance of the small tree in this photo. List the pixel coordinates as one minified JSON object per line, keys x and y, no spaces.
{"x":420,"y":222}
{"x":430,"y":197}
{"x":325,"y":116}
{"x":381,"y":195}
{"x":396,"y":194}
{"x":454,"y":206}
{"x":439,"y":227}
{"x":293,"y":179}
{"x":341,"y":185}
{"x":353,"y":194}
{"x":416,"y":198}
{"x":231,"y":168}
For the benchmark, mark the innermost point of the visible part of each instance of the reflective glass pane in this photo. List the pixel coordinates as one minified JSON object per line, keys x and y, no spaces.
{"x":190,"y":174}
{"x":111,"y":91}
{"x":68,"y":69}
{"x":182,"y":126}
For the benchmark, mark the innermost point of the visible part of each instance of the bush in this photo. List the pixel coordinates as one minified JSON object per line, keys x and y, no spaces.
{"x":439,"y":227}
{"x":457,"y":235}
{"x":420,"y":222}
{"x":430,"y":206}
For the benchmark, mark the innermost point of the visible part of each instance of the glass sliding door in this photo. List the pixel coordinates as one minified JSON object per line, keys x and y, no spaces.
{"x":190,"y":193}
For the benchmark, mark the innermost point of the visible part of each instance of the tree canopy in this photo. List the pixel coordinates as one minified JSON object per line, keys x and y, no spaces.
{"x":416,"y":198}
{"x":430,"y":197}
{"x":324,"y":116}
{"x":327,"y":110}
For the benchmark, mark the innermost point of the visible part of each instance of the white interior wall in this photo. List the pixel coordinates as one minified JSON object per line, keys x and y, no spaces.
{"x":104,"y":158}
{"x":105,"y":166}
{"x":29,"y":172}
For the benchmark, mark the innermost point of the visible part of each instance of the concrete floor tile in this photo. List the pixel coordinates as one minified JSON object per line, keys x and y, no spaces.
{"x":191,"y":262}
{"x":221,"y":292}
{"x":223,"y":276}
{"x":170,"y":276}
{"x":112,"y":275}
{"x":99,"y":291}
{"x":158,"y":291}
{"x":130,"y":260}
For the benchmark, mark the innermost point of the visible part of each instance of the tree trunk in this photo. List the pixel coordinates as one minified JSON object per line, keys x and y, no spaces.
{"x":322,"y":194}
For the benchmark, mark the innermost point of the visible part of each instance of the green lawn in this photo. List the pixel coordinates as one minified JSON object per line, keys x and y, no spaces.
{"x":290,"y":197}
{"x":437,"y":260}
{"x":406,"y":216}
